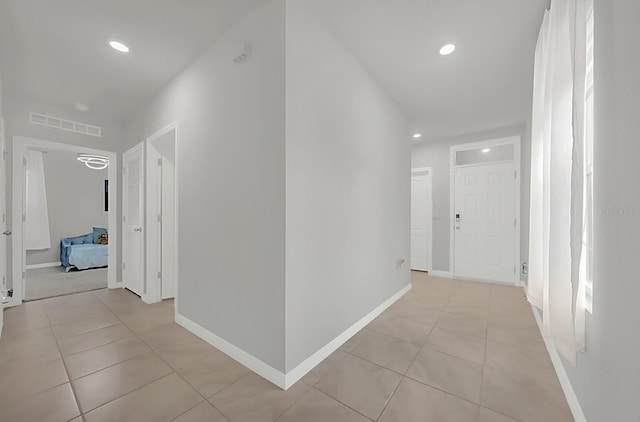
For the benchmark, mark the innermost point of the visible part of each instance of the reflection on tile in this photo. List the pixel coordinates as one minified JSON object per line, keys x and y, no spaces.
{"x":318,"y":407}
{"x":93,"y":360}
{"x":463,"y":347}
{"x":254,"y":399}
{"x":164,"y":399}
{"x":81,"y":342}
{"x":415,"y":312}
{"x":386,"y":351}
{"x":56,"y":404}
{"x":361,"y":385}
{"x":20,"y":382}
{"x":416,"y":402}
{"x":524,"y":361}
{"x":460,"y":324}
{"x":521,"y":398}
{"x":108,"y":384}
{"x":456,"y":376}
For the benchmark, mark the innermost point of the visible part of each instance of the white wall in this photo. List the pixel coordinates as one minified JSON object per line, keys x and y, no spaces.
{"x":607,"y":377}
{"x":231,"y":185}
{"x":437,"y":155}
{"x":75,"y":199}
{"x":348,"y":192}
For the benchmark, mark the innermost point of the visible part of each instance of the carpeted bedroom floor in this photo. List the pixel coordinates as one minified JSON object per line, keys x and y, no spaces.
{"x":53,"y":281}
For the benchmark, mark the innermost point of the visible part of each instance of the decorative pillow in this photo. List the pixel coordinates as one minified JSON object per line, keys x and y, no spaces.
{"x":104,"y":239}
{"x":97,"y":231}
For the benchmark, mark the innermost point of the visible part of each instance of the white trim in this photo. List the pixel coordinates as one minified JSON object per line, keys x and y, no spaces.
{"x":438,"y":273}
{"x":153,"y":284}
{"x":565,"y":383}
{"x":514,"y":140}
{"x":311,"y":362}
{"x":45,"y":265}
{"x":20,"y":145}
{"x":270,"y":373}
{"x":253,"y":363}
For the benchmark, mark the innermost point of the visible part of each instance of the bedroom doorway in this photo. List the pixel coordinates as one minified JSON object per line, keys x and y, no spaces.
{"x":64,"y":220}
{"x":161,"y":214}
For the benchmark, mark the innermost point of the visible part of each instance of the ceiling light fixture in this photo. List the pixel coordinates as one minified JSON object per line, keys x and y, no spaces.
{"x":117,"y":45}
{"x":486,"y":150}
{"x":81,"y":107}
{"x":417,"y":136}
{"x":447,"y":49}
{"x":93,"y":161}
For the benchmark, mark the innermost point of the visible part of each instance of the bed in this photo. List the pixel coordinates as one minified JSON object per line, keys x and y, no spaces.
{"x":80,"y":252}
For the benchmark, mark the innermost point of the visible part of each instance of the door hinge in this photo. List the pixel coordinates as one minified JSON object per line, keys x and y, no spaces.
{"x":159,"y":274}
{"x":124,"y":218}
{"x":160,"y":162}
{"x":124,"y":265}
{"x":124,"y":170}
{"x":515,"y":174}
{"x":515,"y":222}
{"x":24,"y":161}
{"x":24,"y":218}
{"x":24,"y":275}
{"x":514,"y":270}
{"x":4,"y":155}
{"x":159,"y":218}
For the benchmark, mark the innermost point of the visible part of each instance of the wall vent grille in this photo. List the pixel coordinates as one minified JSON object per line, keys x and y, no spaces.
{"x":63,"y":124}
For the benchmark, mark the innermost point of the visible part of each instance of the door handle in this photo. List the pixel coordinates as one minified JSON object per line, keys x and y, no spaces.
{"x":137,"y":229}
{"x":7,"y":233}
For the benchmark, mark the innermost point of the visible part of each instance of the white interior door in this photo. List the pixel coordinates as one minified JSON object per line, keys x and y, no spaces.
{"x":3,"y":224}
{"x":133,"y":220}
{"x":485,"y":222}
{"x":421,"y":219}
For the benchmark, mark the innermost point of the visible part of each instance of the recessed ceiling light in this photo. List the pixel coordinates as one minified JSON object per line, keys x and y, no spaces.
{"x":116,"y":45}
{"x":81,"y":107}
{"x":486,"y":150}
{"x":417,"y":135}
{"x":447,"y":49}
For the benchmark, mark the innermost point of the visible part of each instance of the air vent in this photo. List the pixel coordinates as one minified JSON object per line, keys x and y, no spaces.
{"x":63,"y":124}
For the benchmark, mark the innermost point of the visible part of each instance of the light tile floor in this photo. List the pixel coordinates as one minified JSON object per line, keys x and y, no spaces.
{"x":447,"y":351}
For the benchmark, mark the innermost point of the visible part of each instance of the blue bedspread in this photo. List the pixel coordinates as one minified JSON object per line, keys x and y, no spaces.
{"x":89,"y":255}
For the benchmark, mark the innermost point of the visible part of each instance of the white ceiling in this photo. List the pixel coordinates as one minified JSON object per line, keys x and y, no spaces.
{"x":56,"y":52}
{"x":485,"y":84}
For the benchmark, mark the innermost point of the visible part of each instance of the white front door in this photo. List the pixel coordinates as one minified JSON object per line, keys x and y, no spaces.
{"x":133,"y":220}
{"x":421,"y":219}
{"x":3,"y":224}
{"x":485,"y":222}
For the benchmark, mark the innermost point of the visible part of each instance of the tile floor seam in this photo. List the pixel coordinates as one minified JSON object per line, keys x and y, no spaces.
{"x":344,"y":404}
{"x":111,"y":365}
{"x":28,"y":300}
{"x":374,"y":363}
{"x":66,"y":370}
{"x":500,"y":413}
{"x":90,"y":348}
{"x":124,"y":394}
{"x":442,"y":390}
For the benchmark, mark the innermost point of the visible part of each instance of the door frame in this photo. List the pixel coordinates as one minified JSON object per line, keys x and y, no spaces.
{"x":510,"y":140}
{"x":18,"y":259}
{"x":429,"y":170}
{"x":153,"y":284}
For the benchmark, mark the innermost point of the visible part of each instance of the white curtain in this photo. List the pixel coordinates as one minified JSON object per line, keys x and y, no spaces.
{"x":557,"y":154}
{"x":37,"y":213}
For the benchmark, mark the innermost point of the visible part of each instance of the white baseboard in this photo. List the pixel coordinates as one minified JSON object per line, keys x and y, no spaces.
{"x":438,"y":273}
{"x":311,"y":362}
{"x":253,"y":363}
{"x":270,"y":373}
{"x":45,"y":265}
{"x":567,"y":387}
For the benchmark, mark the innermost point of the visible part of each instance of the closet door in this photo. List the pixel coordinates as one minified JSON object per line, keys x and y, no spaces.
{"x":133,"y":220}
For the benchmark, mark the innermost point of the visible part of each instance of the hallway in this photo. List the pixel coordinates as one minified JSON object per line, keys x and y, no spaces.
{"x":448,"y":351}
